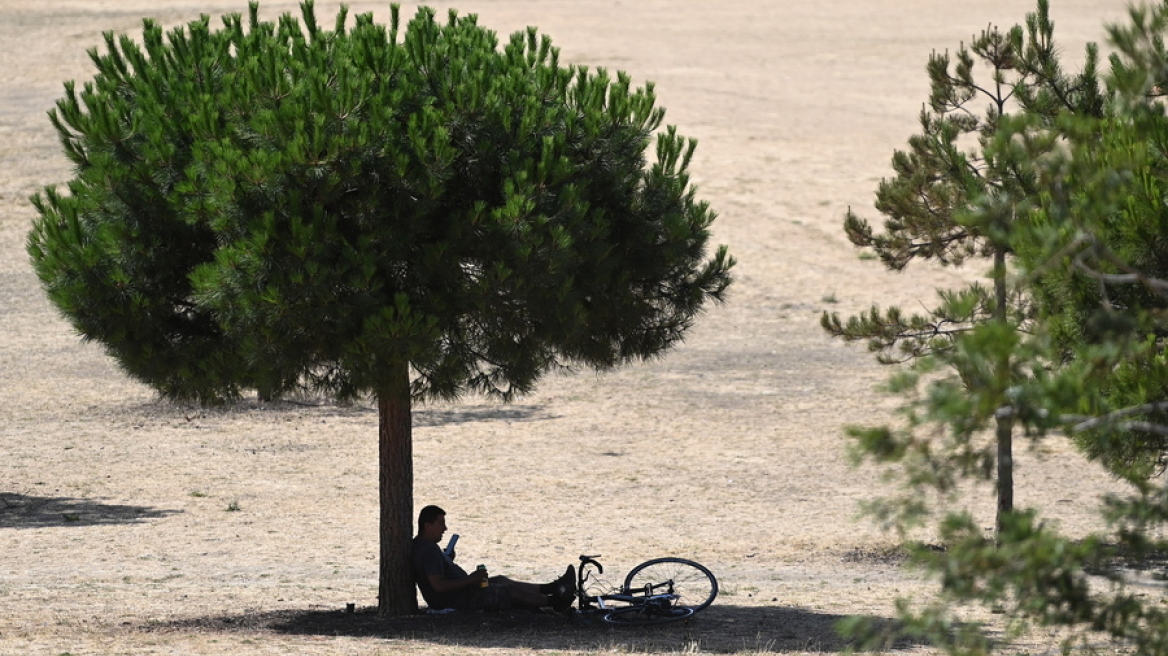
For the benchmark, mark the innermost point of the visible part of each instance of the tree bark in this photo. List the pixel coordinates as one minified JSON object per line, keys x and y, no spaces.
{"x":395,"y":595}
{"x":1005,"y":435}
{"x":1005,"y":415}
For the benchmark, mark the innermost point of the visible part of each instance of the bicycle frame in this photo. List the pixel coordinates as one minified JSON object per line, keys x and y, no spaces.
{"x":657,"y":591}
{"x":596,"y":603}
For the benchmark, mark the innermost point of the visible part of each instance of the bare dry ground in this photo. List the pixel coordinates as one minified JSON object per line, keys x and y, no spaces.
{"x":131,"y":526}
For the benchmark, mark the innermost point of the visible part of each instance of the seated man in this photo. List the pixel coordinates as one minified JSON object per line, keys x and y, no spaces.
{"x":446,"y":585}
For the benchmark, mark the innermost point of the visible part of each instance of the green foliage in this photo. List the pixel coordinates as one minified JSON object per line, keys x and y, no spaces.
{"x":948,"y":167}
{"x":954,"y":197}
{"x":1095,"y":253}
{"x":937,"y":178}
{"x":1087,"y":243}
{"x":897,"y":338}
{"x":275,"y":205}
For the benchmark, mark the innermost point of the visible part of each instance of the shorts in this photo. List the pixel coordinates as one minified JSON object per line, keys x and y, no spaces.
{"x":492,"y":597}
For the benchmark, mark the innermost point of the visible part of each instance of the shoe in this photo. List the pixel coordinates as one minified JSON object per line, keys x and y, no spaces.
{"x":564,"y":590}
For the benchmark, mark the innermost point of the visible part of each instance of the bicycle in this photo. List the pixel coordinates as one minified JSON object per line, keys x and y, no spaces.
{"x":655,"y":592}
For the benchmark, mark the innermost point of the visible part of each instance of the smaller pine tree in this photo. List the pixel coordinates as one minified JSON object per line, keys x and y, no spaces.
{"x":949,"y":170}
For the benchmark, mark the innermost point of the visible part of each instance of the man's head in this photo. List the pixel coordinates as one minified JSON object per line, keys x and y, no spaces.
{"x":432,"y":523}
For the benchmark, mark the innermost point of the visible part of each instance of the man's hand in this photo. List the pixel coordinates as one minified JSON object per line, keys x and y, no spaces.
{"x":443,"y":585}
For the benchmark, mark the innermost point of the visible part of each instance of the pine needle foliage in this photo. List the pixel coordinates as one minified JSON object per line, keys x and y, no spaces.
{"x":948,"y":168}
{"x":1096,"y":254}
{"x":408,"y":214}
{"x":949,"y":175}
{"x":1087,"y":247}
{"x":271,"y":205}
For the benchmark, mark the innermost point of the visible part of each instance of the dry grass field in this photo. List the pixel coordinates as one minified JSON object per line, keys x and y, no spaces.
{"x":133,"y":526}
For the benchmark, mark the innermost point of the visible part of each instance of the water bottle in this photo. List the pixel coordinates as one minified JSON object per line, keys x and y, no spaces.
{"x":483,"y":569}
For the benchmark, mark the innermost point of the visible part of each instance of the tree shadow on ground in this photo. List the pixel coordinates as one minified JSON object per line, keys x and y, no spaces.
{"x":508,"y":413}
{"x":719,"y":629}
{"x":421,"y":414}
{"x":25,"y":511}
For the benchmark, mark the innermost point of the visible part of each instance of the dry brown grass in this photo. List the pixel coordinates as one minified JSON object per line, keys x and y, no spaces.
{"x":129,"y":526}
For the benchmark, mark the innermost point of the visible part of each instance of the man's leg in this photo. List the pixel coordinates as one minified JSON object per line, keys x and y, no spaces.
{"x":558,"y":594}
{"x":525,"y":595}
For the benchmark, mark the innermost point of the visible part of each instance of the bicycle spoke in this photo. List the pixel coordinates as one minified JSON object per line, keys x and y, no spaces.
{"x":694,"y":585}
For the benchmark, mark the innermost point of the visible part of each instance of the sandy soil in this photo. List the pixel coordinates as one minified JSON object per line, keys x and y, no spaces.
{"x":131,"y":526}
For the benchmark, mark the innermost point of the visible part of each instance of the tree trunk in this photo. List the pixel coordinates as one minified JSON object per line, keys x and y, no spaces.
{"x":1005,"y":415}
{"x":395,"y":595}
{"x":1005,"y":433}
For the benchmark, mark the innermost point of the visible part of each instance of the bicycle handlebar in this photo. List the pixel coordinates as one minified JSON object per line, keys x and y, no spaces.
{"x":591,"y":560}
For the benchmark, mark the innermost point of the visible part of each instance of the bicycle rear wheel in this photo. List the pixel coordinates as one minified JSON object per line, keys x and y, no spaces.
{"x":694,"y":585}
{"x":643,"y":615}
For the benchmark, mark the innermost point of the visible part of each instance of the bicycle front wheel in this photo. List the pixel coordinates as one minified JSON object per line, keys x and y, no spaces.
{"x":694,"y":585}
{"x":642,"y":615}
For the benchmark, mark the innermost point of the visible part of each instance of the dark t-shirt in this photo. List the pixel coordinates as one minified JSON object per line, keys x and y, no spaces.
{"x":429,"y":559}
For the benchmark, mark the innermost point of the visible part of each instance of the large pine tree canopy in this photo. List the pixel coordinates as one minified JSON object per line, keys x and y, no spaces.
{"x":275,"y":205}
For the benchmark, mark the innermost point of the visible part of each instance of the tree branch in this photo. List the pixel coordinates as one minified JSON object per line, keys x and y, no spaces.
{"x":1082,"y":423}
{"x":1132,"y":276}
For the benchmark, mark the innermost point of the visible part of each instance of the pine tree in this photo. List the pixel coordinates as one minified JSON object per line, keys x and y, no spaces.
{"x":1092,"y":365}
{"x":1096,"y":251}
{"x":276,"y":206}
{"x":947,"y":170}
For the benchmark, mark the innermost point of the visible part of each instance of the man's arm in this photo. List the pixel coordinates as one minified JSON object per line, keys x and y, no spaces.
{"x":443,"y":585}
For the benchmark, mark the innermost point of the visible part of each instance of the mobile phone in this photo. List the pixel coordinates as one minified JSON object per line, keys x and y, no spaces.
{"x":450,"y":545}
